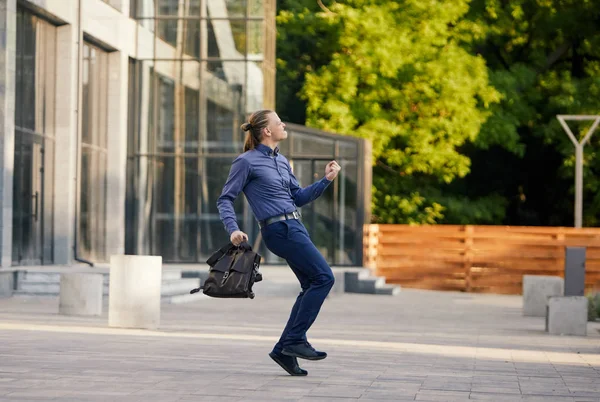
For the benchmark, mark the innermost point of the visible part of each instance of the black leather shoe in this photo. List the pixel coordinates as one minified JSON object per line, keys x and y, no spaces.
{"x":303,"y":351}
{"x":288,"y":363}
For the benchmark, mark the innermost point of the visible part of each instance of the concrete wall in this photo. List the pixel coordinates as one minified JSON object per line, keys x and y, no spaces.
{"x":8,"y":36}
{"x":105,"y":25}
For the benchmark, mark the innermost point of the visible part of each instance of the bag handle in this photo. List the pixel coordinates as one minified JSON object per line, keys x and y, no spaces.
{"x":217,"y":255}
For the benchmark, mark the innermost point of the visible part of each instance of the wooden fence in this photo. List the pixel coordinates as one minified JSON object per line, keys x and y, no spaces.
{"x":490,"y":259}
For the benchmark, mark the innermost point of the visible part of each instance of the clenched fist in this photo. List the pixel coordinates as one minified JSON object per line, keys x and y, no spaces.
{"x":238,"y":237}
{"x":331,"y":170}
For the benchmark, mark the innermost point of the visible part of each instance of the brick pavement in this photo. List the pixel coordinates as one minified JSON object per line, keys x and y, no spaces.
{"x":426,"y":346}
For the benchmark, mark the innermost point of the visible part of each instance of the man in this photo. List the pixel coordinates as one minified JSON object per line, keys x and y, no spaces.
{"x":273,"y":192}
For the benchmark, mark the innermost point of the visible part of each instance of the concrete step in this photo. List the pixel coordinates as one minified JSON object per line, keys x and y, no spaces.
{"x":361,"y":281}
{"x":387,"y":289}
{"x":179,"y":286}
{"x":174,"y":288}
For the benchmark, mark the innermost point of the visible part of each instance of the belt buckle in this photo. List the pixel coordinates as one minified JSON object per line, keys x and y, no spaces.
{"x":296,"y":215}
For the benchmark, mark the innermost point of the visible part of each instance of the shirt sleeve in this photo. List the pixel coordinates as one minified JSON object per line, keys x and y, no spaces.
{"x":303,"y":196}
{"x":238,"y":177}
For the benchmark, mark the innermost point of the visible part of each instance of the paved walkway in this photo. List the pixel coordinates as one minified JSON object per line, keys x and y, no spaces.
{"x":427,"y":346}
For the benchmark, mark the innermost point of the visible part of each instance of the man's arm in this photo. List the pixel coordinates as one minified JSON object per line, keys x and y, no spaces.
{"x":238,"y":176}
{"x":303,"y":196}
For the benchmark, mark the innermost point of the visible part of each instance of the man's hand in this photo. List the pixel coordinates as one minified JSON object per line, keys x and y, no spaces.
{"x":331,"y":170}
{"x":238,"y":237}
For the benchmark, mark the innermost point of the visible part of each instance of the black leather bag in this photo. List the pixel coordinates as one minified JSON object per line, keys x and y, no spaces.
{"x":233,"y":272}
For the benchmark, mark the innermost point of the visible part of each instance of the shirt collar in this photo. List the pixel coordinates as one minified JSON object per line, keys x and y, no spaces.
{"x":267,"y":150}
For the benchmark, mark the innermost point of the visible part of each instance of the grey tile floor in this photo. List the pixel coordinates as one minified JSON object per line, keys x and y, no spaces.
{"x":420,"y":345}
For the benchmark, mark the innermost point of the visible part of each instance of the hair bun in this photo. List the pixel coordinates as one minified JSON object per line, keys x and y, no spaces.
{"x":246,"y":126}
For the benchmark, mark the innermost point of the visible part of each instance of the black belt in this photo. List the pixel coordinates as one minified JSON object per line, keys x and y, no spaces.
{"x":278,"y":218}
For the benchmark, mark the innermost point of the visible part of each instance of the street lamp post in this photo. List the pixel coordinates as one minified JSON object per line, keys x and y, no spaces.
{"x":578,"y":159}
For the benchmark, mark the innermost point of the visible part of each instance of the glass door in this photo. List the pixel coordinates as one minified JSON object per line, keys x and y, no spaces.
{"x":34,"y":141}
{"x":27,"y":197}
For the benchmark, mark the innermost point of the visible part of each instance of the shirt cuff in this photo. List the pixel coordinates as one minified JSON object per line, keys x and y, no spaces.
{"x":232,"y":227}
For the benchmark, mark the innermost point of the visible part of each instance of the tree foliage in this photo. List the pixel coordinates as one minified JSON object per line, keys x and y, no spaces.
{"x":458,"y":98}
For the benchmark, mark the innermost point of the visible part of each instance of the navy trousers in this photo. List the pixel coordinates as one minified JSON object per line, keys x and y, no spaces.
{"x":290,"y":241}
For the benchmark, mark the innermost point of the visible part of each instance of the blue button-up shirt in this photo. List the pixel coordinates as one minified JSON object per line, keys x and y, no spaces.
{"x":266,"y":178}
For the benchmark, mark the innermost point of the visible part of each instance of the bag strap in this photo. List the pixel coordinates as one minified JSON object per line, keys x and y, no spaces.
{"x":257,"y":259}
{"x":217,"y":255}
{"x":245,"y":246}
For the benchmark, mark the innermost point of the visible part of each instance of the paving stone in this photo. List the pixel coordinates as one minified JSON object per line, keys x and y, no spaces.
{"x":380,"y":349}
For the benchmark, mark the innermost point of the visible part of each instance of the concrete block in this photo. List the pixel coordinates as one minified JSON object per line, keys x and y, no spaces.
{"x":536,"y":290}
{"x":574,"y":271}
{"x":80,"y":293}
{"x":352,"y":280}
{"x":7,"y":283}
{"x":567,"y":315}
{"x":134,"y":291}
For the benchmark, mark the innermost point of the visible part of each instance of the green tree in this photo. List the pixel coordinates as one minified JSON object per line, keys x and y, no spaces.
{"x":396,"y":73}
{"x":413,"y":77}
{"x":304,"y":43}
{"x":544,"y":58}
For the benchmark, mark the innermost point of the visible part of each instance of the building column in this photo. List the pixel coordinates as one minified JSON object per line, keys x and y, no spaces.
{"x":8,"y":45}
{"x":116,"y":173}
{"x":65,"y":173}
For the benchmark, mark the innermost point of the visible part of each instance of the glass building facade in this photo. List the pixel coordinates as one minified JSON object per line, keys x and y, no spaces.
{"x":126,"y":118}
{"x":213,"y":65}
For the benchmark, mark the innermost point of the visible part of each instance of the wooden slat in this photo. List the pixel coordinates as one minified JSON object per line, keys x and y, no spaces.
{"x":476,"y":258}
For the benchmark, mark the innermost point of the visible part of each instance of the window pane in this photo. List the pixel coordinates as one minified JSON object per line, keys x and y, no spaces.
{"x":213,"y":236}
{"x":176,"y":206}
{"x":177,"y":118}
{"x":256,"y":40}
{"x":92,"y":205}
{"x":26,"y":71}
{"x":47,"y":204}
{"x":303,"y":172}
{"x":348,"y":226}
{"x":284,"y":146}
{"x":255,"y":87}
{"x":224,"y":91}
{"x":139,"y":198}
{"x":192,"y":37}
{"x":93,"y":155}
{"x":348,"y":149}
{"x":256,"y":8}
{"x":214,"y":176}
{"x":142,"y":8}
{"x":312,"y":145}
{"x":86,"y":135}
{"x":85,"y":206}
{"x":94,"y":96}
{"x":165,"y":115}
{"x":177,"y":38}
{"x":165,"y":8}
{"x":226,"y":8}
{"x":323,"y":220}
{"x":192,"y":123}
{"x":163,"y":237}
{"x":167,"y":31}
{"x":178,"y":7}
{"x":212,"y":179}
{"x":227,"y":39}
